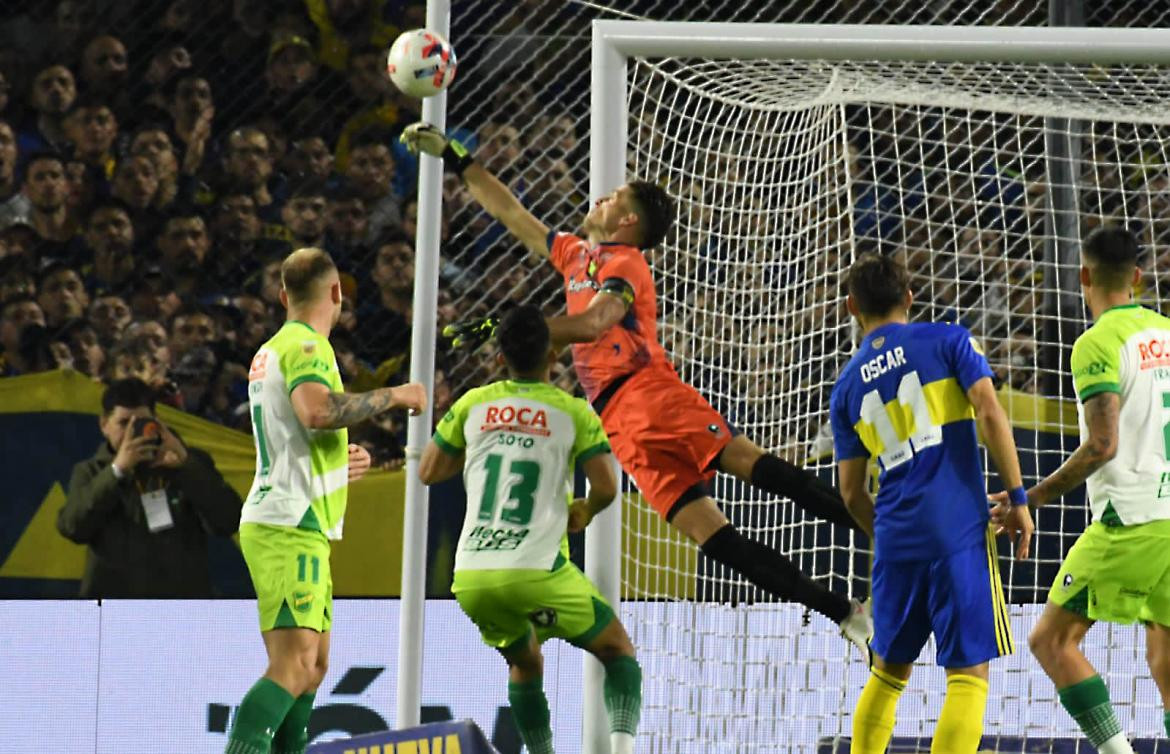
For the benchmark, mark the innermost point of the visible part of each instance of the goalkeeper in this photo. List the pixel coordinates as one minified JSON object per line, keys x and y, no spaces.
{"x":517,"y":442}
{"x":667,"y":437}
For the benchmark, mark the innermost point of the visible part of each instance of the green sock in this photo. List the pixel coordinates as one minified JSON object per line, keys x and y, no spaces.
{"x":623,"y":694}
{"x":258,"y":718}
{"x":1166,"y":722}
{"x":530,"y":709}
{"x":1088,"y":703}
{"x":292,"y":737}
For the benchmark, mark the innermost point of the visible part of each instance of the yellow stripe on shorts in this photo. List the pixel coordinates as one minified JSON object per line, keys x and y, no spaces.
{"x":1003,"y":627}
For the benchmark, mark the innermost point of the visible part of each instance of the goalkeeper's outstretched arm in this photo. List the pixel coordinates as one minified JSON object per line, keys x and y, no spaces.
{"x":496,"y":198}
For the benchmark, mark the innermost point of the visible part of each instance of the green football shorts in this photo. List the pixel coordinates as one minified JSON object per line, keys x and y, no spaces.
{"x":506,"y":605}
{"x":1119,"y":574}
{"x":290,"y":572}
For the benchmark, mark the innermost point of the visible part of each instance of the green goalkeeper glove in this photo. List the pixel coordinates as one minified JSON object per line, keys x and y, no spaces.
{"x":471,"y":333}
{"x":423,"y":137}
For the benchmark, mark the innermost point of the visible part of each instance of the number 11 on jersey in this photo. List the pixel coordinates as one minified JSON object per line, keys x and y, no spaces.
{"x":922,"y":433}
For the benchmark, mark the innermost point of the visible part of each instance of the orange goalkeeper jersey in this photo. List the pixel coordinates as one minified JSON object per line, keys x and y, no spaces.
{"x":632,"y":343}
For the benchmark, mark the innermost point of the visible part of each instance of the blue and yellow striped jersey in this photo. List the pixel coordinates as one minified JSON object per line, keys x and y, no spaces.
{"x":902,"y":399}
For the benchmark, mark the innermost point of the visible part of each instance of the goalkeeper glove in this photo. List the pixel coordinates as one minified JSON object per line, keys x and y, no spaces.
{"x":423,"y":137}
{"x":472,"y":333}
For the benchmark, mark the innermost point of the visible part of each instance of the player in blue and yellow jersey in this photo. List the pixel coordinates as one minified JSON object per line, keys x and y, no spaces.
{"x":912,"y":398}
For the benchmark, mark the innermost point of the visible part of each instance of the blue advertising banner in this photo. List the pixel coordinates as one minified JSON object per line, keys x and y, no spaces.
{"x":459,"y":737}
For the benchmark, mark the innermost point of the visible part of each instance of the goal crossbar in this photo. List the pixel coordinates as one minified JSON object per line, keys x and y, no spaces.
{"x":965,"y":44}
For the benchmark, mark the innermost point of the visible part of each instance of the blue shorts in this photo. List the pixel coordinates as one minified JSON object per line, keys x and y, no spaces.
{"x":958,"y":597}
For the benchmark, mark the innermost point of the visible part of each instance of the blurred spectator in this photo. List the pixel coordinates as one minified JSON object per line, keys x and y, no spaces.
{"x":386,"y":314}
{"x":309,"y":156}
{"x":169,"y":57}
{"x":373,"y":100}
{"x":153,"y":142}
{"x":347,"y":225}
{"x":240,"y":238}
{"x":52,"y":94}
{"x":44,"y":185}
{"x":16,"y":313}
{"x":103,"y":72}
{"x":304,"y":213}
{"x":8,"y":156}
{"x":16,"y":276}
{"x":136,"y":186}
{"x":256,"y":323}
{"x":110,"y":314}
{"x":345,"y":24}
{"x":61,"y":294}
{"x":190,"y":104}
{"x":371,"y":172}
{"x":248,"y":165}
{"x":183,"y":244}
{"x":285,"y":84}
{"x":86,"y":352}
{"x":145,"y":504}
{"x":5,"y":92}
{"x":192,"y":327}
{"x":109,"y":238}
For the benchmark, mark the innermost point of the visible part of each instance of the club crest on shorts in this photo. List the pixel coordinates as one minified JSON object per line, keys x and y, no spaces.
{"x":302,"y":601}
{"x":545,"y":617}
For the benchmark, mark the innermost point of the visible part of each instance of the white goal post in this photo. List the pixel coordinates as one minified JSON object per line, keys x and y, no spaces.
{"x":616,"y":43}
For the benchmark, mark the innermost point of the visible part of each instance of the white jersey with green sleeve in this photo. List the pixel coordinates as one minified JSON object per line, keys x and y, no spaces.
{"x":1127,"y":351}
{"x":301,"y":474}
{"x":522,"y":440}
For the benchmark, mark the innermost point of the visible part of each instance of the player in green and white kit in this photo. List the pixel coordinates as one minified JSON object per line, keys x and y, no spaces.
{"x":304,"y":464}
{"x":1119,"y":568}
{"x":517,"y":442}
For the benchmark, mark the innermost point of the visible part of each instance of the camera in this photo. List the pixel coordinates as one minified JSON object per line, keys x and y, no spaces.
{"x":147,"y":426}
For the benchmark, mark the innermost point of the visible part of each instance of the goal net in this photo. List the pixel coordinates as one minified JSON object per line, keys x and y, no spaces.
{"x":784,"y":171}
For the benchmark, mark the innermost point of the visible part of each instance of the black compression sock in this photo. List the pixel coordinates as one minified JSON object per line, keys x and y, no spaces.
{"x":803,"y":487}
{"x":771,"y":571}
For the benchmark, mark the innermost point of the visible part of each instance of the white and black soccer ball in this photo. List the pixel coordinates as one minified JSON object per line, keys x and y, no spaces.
{"x":421,"y":63}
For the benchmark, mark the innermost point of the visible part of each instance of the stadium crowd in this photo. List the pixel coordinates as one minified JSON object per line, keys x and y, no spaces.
{"x":155,"y":168}
{"x":158,"y":159}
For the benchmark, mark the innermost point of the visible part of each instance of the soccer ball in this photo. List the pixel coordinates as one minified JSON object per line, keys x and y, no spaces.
{"x":421,"y":63}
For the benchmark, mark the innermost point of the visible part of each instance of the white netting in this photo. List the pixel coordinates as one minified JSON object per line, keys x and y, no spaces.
{"x":784,"y":171}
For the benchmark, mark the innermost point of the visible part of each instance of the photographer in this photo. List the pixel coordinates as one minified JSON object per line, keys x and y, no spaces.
{"x":145,"y":504}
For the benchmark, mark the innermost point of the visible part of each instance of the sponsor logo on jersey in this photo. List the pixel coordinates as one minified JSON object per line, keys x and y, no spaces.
{"x":309,"y":346}
{"x":259,"y":366}
{"x":1091,"y":370}
{"x":882,"y":363}
{"x":488,"y":538}
{"x":532,"y":421}
{"x":1154,"y":352}
{"x":584,"y":284}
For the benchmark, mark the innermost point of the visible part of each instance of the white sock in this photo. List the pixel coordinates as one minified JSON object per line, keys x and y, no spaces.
{"x":1116,"y":745}
{"x":623,"y":743}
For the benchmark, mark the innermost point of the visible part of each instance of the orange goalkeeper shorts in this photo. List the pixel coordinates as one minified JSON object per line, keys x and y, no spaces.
{"x":665,"y":435}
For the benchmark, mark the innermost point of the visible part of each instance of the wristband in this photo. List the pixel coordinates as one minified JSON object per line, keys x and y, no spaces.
{"x":1018,"y":495}
{"x":456,"y":158}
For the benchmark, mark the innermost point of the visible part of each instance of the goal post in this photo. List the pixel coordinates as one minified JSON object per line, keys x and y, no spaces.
{"x":751,"y":127}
